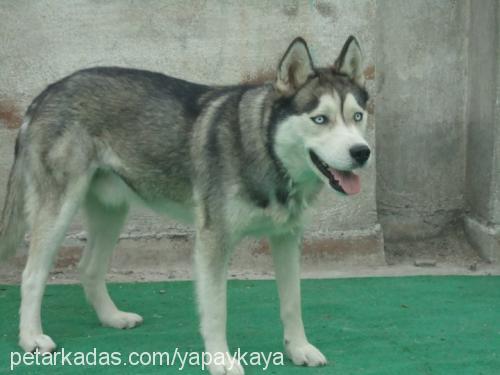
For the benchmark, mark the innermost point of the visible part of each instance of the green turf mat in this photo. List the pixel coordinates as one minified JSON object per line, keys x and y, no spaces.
{"x":408,"y":325}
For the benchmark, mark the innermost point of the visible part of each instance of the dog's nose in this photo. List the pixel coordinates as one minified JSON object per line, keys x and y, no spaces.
{"x":360,"y":153}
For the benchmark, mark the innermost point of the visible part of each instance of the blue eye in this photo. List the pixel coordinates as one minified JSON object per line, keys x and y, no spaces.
{"x":358,"y":116}
{"x":320,"y":120}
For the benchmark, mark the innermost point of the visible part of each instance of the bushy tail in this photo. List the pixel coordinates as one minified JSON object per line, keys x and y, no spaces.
{"x":13,"y":220}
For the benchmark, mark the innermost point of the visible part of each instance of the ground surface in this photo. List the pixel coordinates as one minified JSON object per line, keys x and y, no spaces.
{"x":407,"y":325}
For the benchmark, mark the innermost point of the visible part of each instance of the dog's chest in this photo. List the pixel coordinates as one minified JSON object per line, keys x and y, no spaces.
{"x":247,"y":219}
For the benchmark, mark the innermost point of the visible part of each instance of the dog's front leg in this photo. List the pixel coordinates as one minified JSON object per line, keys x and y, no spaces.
{"x":286,"y":257}
{"x":211,"y":259}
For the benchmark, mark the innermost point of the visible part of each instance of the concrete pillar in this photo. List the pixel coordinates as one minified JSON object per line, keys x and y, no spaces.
{"x":482,"y":220}
{"x":420,"y":115}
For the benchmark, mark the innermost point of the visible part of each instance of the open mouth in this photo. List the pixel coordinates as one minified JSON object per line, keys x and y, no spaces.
{"x":345,"y":182}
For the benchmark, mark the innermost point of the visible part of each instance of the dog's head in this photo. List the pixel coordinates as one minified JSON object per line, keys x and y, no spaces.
{"x":320,"y":116}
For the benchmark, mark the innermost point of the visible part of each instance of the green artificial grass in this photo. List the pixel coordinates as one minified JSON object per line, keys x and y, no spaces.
{"x":408,"y":325}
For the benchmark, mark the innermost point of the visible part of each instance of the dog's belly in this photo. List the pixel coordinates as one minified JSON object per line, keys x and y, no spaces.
{"x":112,"y":190}
{"x":177,"y":211}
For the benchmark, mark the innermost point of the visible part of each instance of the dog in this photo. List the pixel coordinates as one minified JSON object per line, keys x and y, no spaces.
{"x":233,"y":160}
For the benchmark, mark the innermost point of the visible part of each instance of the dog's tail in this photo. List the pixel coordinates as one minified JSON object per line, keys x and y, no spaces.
{"x":13,"y":219}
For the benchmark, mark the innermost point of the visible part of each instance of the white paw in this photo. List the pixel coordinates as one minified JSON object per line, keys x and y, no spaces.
{"x":122,"y":320}
{"x":230,"y":367}
{"x":305,"y":354}
{"x":41,"y":343}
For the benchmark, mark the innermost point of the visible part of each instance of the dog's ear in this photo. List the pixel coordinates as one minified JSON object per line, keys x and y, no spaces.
{"x":295,"y":67}
{"x":350,"y":61}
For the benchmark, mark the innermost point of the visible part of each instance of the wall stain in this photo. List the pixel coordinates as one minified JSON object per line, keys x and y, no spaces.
{"x":341,"y":247}
{"x":369,"y":73}
{"x":291,"y":9}
{"x":10,"y":114}
{"x":258,"y":78}
{"x":326,"y":9}
{"x":371,"y":107}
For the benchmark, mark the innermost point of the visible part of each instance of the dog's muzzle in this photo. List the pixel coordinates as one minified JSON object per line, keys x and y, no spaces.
{"x":345,"y":182}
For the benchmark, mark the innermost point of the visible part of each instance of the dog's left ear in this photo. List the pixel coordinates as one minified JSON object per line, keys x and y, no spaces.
{"x":295,"y":67}
{"x":350,"y":61}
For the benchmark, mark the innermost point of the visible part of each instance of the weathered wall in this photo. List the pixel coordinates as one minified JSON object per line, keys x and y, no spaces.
{"x":420,"y":113}
{"x":213,"y":42}
{"x":436,"y":93}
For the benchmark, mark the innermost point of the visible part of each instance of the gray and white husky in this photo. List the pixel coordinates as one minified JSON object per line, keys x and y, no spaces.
{"x":233,"y":160}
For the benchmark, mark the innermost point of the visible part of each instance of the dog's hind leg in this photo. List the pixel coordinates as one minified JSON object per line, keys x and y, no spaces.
{"x":51,"y":208}
{"x":104,"y":223}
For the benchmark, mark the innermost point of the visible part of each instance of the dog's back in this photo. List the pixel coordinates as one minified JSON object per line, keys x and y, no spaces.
{"x":124,"y":120}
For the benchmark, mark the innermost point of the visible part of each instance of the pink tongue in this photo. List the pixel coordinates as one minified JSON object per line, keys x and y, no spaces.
{"x":348,"y":181}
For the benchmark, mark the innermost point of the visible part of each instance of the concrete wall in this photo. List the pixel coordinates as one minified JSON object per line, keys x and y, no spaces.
{"x":421,"y":64}
{"x":213,"y":42}
{"x":438,"y":117}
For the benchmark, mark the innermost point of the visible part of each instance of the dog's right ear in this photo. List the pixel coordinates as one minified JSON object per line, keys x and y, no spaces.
{"x":295,"y":68}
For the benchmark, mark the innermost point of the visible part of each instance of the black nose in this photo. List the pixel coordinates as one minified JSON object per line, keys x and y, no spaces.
{"x":360,"y":153}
